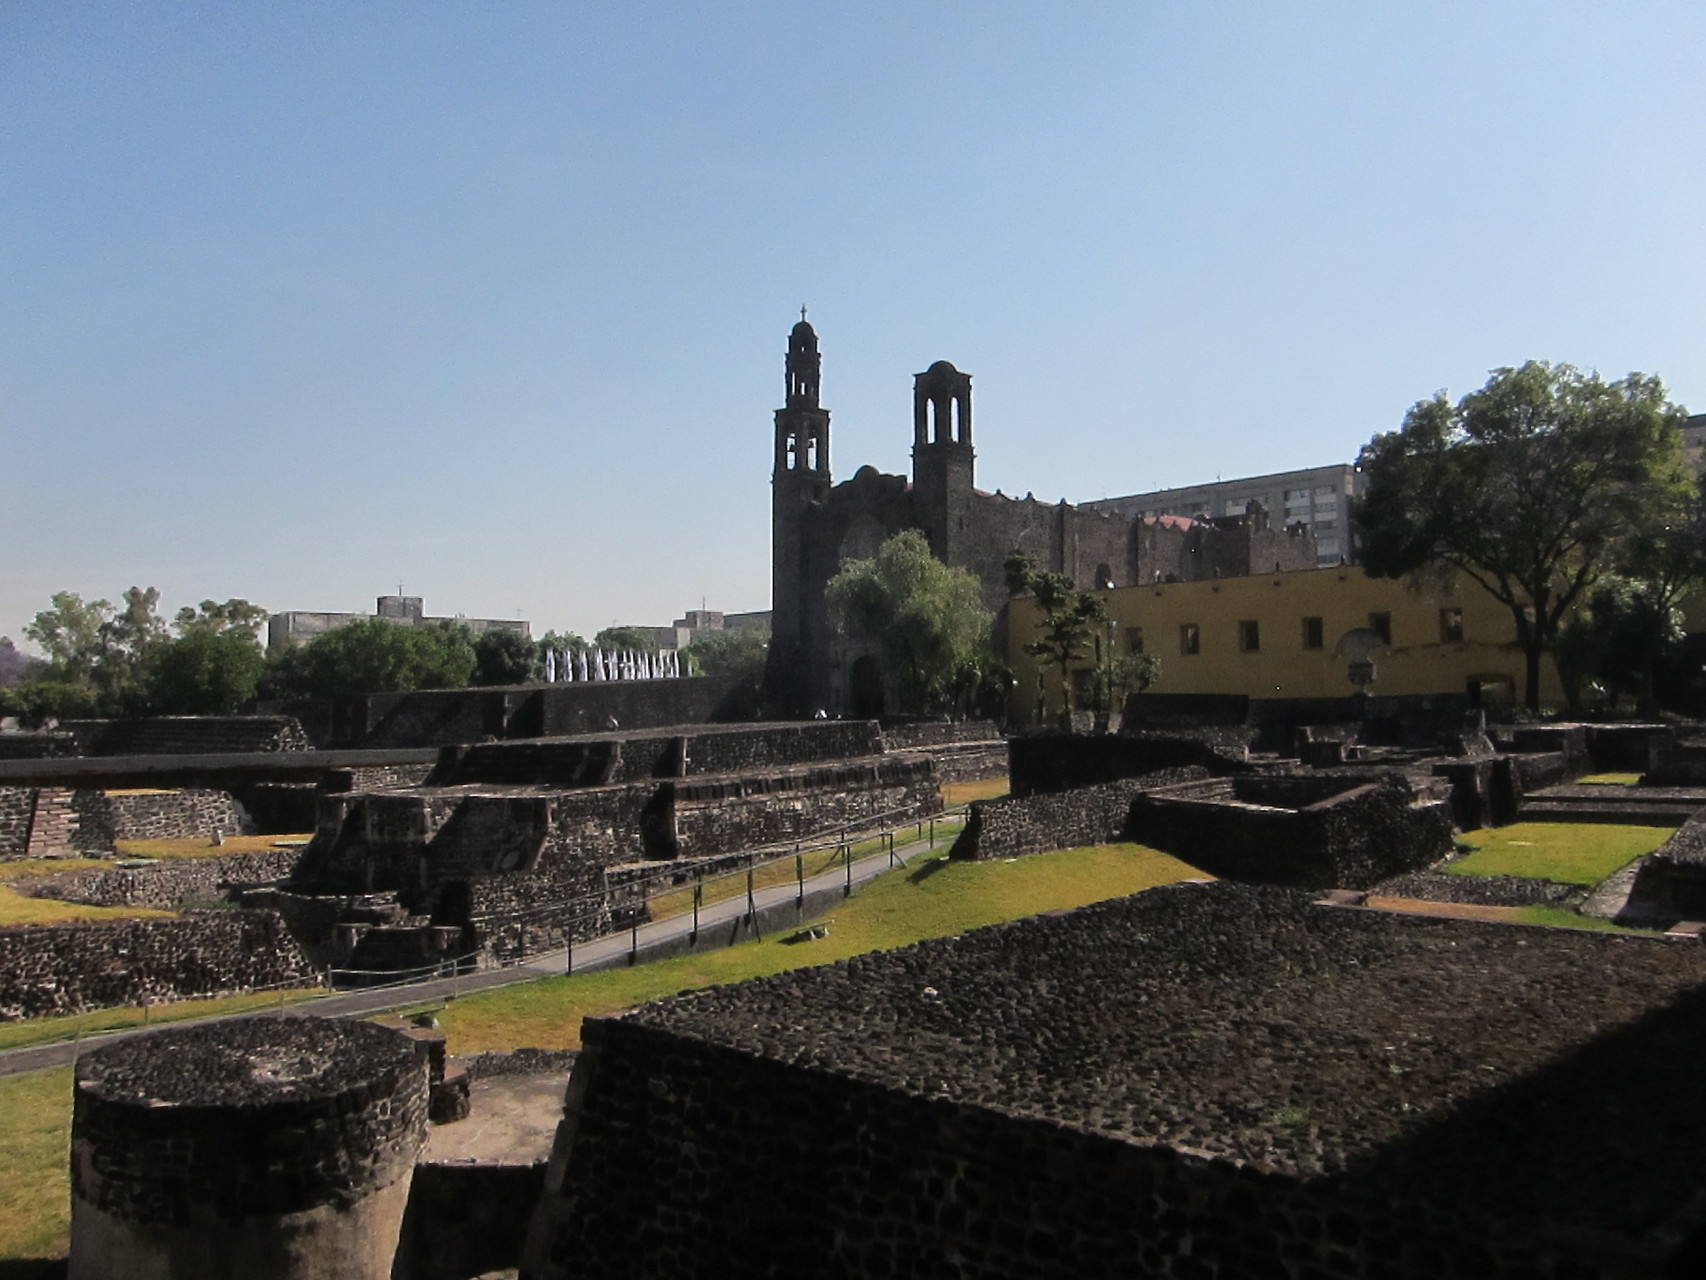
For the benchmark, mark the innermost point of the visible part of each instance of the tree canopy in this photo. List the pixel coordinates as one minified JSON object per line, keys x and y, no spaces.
{"x":925,"y":620}
{"x":622,"y":639}
{"x":506,"y":657}
{"x":1533,"y":486}
{"x":375,"y":655}
{"x":738,"y":652}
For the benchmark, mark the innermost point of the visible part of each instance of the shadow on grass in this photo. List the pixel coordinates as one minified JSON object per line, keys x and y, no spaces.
{"x":32,"y":1268}
{"x":918,"y":876}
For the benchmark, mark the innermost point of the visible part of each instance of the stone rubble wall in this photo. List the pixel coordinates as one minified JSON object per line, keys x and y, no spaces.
{"x":172,"y":883}
{"x":104,"y":817}
{"x":99,"y":964}
{"x":187,"y":735}
{"x":1015,"y":826}
{"x":17,"y":807}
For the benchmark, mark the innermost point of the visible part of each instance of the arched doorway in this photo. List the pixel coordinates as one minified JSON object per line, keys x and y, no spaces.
{"x":867,"y":690}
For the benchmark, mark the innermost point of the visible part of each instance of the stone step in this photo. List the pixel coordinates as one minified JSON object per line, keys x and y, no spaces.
{"x":1570,"y":810}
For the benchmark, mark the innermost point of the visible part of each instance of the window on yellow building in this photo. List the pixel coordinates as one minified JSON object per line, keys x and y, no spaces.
{"x":1134,"y":639}
{"x":1381,"y":625}
{"x":1249,"y":636}
{"x":1450,"y":626}
{"x":1190,"y":639}
{"x":1313,"y":634}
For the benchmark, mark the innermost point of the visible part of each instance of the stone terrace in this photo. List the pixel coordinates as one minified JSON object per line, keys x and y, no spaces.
{"x":1442,"y":1098}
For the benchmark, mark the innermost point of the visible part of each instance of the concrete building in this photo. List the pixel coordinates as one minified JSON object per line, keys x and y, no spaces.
{"x":298,"y":626}
{"x":700,"y":622}
{"x":818,"y":525}
{"x":1319,"y":497}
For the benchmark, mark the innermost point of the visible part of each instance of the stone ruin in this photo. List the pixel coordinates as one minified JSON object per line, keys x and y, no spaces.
{"x":1199,"y":1081}
{"x":512,"y":848}
{"x":261,"y":1148}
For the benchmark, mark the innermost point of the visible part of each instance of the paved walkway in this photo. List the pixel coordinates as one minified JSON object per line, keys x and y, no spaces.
{"x":650,"y":941}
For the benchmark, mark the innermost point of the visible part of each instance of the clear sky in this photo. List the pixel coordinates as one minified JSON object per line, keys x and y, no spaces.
{"x":300,"y":301}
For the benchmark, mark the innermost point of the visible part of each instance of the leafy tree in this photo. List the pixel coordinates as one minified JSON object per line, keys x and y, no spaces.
{"x":233,"y":615}
{"x":738,"y":652}
{"x":620,"y":639}
{"x":506,"y":657}
{"x":925,"y":620}
{"x":374,"y":655}
{"x":1118,"y":676}
{"x":1532,"y":486}
{"x":206,"y":672}
{"x":99,"y":657}
{"x":1070,"y":623}
{"x":562,"y":642}
{"x":1618,"y":638}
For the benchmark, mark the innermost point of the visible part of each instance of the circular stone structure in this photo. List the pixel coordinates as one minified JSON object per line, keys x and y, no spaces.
{"x":260,"y":1148}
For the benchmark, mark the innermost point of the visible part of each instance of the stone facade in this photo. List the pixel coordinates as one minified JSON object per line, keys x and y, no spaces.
{"x":171,"y":884}
{"x":817,"y":525}
{"x":1015,"y":826}
{"x":96,"y":964}
{"x":1212,"y":1082}
{"x":187,"y":735}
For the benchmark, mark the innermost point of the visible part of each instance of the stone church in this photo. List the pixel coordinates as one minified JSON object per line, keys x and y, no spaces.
{"x":816,"y":525}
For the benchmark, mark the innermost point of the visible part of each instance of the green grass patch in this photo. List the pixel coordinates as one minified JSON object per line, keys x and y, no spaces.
{"x":931,"y":898}
{"x":1610,"y":779}
{"x":954,"y":793}
{"x":34,"y":1031}
{"x":1581,"y":853}
{"x":1565,"y":918}
{"x":18,"y":908}
{"x":198,"y":847}
{"x":35,"y":1194}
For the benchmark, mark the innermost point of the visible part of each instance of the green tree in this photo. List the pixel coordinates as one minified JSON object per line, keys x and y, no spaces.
{"x":206,"y":672}
{"x":1070,"y":624}
{"x":624,"y":639}
{"x":1532,"y":486}
{"x":739,"y":652}
{"x":233,"y":615}
{"x":925,"y":620}
{"x":98,"y":657}
{"x":374,"y":655}
{"x":506,"y":657}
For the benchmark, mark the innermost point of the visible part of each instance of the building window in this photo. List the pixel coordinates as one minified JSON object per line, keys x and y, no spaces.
{"x":1381,"y":625}
{"x":1190,"y":639}
{"x":1249,"y":636}
{"x":1134,"y":639}
{"x":1313,"y":634}
{"x":1450,"y":626}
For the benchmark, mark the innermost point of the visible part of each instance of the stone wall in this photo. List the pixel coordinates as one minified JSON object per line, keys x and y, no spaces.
{"x":173,"y":883}
{"x":1352,"y":840}
{"x":1015,"y":826}
{"x":466,"y":1219}
{"x":17,"y":807}
{"x":1061,"y":762}
{"x":36,"y":746}
{"x":96,"y":964}
{"x":1198,"y":1082}
{"x":187,"y":735}
{"x":1670,"y":884}
{"x":104,"y":817}
{"x":910,"y":735}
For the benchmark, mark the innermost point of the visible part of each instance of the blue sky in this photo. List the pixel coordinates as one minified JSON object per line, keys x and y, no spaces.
{"x":299,"y":301}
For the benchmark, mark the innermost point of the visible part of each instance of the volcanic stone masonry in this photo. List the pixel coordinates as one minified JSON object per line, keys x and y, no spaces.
{"x":263,"y":1148}
{"x":1209,"y":1081}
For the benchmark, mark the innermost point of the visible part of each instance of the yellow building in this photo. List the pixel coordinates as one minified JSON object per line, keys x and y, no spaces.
{"x":1289,"y":635}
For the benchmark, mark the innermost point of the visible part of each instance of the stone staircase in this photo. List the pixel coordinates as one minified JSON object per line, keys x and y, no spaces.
{"x":52,"y":824}
{"x":1638,"y":806}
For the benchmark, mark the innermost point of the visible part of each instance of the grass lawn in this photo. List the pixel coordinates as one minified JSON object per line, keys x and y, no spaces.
{"x":18,"y":908}
{"x":1567,"y":852}
{"x":932,"y":898}
{"x":964,"y":792}
{"x":1570,"y":920}
{"x":200,"y":846}
{"x":1610,"y":779}
{"x":35,"y":1193}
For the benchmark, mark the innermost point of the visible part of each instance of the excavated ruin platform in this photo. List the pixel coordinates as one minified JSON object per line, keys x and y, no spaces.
{"x":1530,"y":1074}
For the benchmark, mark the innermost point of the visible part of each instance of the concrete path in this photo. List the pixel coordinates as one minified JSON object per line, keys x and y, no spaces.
{"x":720,"y":924}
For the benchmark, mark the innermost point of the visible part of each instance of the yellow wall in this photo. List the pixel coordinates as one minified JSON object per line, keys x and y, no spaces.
{"x":1419,"y":660}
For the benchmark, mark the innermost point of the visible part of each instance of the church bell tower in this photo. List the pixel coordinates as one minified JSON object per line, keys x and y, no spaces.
{"x":799,"y":484}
